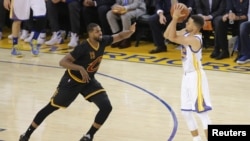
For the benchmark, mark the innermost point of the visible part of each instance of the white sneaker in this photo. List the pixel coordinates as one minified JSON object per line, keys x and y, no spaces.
{"x":29,"y":38}
{"x":1,"y":35}
{"x":24,"y":34}
{"x":197,"y":138}
{"x":73,"y":40}
{"x":55,"y":39}
{"x":10,"y":36}
{"x":41,"y":38}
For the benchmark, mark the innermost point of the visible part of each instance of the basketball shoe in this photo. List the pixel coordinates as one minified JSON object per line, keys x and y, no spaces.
{"x":86,"y":138}
{"x":35,"y":47}
{"x":24,"y":34}
{"x":55,"y":39}
{"x":29,"y":38}
{"x":74,"y":38}
{"x":15,"y":51}
{"x":23,"y":138}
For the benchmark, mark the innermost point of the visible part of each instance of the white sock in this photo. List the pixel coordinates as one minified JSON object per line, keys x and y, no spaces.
{"x":197,"y":138}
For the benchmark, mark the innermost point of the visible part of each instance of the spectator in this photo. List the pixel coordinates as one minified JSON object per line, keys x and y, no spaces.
{"x":73,"y":7}
{"x":244,"y":41}
{"x":209,"y":10}
{"x":238,"y":15}
{"x":158,"y":23}
{"x":2,"y":18}
{"x":96,"y":11}
{"x":124,"y":11}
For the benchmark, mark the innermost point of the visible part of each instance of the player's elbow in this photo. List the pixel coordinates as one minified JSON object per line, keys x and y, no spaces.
{"x":165,"y":36}
{"x":61,"y":63}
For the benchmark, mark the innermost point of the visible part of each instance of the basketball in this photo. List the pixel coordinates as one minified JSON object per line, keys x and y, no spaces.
{"x":185,"y":12}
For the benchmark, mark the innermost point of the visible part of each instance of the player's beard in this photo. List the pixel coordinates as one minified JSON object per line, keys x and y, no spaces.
{"x":98,"y":39}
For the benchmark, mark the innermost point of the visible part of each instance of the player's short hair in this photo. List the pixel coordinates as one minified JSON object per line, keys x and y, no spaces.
{"x":198,"y":20}
{"x":91,"y":27}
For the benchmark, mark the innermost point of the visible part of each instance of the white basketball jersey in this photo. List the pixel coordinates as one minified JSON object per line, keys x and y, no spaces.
{"x":194,"y":91}
{"x":191,"y":60}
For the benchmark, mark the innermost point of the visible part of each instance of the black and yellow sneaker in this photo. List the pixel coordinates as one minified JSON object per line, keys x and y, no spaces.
{"x":23,"y":138}
{"x":86,"y":138}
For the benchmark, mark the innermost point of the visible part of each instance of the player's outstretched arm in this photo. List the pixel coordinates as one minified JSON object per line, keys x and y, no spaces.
{"x":124,"y":34}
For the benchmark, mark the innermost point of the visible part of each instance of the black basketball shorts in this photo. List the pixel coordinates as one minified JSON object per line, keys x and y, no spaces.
{"x":68,"y":89}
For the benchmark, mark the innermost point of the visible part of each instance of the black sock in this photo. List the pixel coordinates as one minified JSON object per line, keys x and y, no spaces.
{"x":40,"y":116}
{"x":92,"y":131}
{"x":29,"y":131}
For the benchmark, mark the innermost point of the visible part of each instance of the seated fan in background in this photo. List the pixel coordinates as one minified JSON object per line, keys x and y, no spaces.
{"x":209,"y":10}
{"x":158,"y":23}
{"x":124,"y":11}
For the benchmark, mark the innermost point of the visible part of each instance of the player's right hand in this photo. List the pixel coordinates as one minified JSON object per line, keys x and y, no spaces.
{"x":6,"y":4}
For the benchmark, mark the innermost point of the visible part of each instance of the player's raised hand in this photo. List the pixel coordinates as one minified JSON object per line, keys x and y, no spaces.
{"x":178,"y":10}
{"x":6,"y":4}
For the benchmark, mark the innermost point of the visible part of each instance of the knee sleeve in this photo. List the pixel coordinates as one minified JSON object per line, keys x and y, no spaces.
{"x":204,"y":119}
{"x":104,"y":105}
{"x":43,"y":113}
{"x":39,"y":23}
{"x":190,"y":120}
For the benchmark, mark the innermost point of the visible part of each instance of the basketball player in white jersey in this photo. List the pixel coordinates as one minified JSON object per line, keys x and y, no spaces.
{"x":20,"y":11}
{"x":194,"y":91}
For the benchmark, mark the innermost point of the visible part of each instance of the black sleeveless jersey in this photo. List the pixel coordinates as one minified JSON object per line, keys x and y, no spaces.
{"x":89,"y":57}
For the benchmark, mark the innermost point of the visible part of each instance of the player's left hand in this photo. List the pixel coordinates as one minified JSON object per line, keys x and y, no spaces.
{"x":177,"y":10}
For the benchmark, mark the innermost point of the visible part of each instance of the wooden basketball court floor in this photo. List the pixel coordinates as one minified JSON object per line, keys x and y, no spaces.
{"x":144,"y":90}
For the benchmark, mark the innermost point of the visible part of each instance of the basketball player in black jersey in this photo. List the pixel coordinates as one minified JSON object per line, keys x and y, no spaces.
{"x":79,"y":78}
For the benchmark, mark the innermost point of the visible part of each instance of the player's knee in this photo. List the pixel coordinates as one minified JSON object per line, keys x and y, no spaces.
{"x":190,"y":120}
{"x":204,"y":119}
{"x":103,"y":103}
{"x":106,"y":106}
{"x":186,"y":114}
